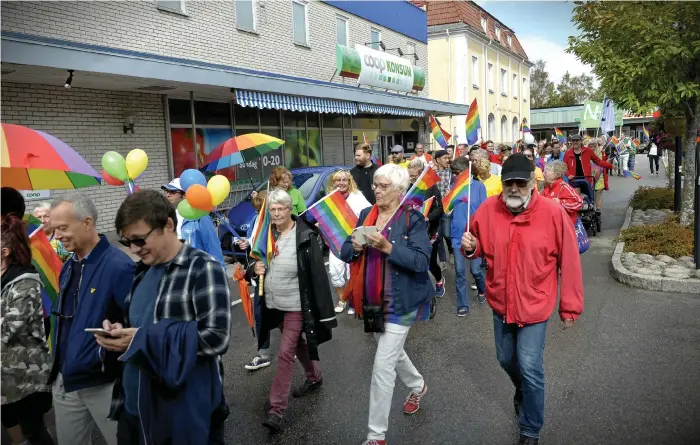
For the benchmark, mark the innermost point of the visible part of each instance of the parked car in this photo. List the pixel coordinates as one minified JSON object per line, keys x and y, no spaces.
{"x":312,"y":182}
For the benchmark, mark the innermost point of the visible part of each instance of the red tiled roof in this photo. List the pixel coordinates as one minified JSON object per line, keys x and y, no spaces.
{"x":445,"y":12}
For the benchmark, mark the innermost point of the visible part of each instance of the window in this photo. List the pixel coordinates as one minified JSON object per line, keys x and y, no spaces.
{"x":515,"y":86}
{"x":484,"y":23}
{"x":410,"y":48}
{"x":245,"y":14}
{"x":490,"y":77}
{"x":515,"y":128}
{"x":174,"y":6}
{"x":510,"y":40}
{"x":300,"y":19}
{"x":524,"y":89}
{"x":341,"y":30}
{"x":492,"y":127}
{"x":504,"y":129}
{"x":504,"y":85}
{"x":375,"y":38}
{"x":475,"y":72}
{"x":498,"y":33}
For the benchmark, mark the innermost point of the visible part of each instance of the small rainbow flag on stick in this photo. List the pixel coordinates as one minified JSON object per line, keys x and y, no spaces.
{"x":417,"y":193}
{"x":628,"y":173}
{"x":262,"y":245}
{"x":427,"y":205}
{"x":560,"y":135}
{"x":440,"y":135}
{"x":646,"y":133}
{"x":614,"y":140}
{"x":459,"y":190}
{"x":335,"y":219}
{"x":472,"y":124}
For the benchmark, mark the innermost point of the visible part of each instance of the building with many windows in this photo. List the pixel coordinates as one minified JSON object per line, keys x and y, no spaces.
{"x":177,"y":78}
{"x":472,"y":55}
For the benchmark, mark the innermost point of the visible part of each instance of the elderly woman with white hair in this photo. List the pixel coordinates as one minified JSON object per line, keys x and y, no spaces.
{"x":390,"y":289}
{"x":296,"y":299}
{"x":555,"y":188}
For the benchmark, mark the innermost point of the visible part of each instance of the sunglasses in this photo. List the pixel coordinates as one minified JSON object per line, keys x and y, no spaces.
{"x":520,"y":183}
{"x":138,"y":242}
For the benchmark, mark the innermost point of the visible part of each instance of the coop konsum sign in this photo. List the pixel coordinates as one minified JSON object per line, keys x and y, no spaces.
{"x":379,"y":69}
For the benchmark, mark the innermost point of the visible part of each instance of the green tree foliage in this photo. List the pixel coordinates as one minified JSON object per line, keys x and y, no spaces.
{"x":572,"y":90}
{"x":646,"y":54}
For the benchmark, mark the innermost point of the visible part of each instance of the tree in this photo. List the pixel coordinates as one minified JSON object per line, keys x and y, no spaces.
{"x":541,"y":88}
{"x":646,"y":54}
{"x":572,"y":90}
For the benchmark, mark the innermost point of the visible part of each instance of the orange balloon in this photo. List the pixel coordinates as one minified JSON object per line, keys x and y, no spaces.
{"x":199,"y":197}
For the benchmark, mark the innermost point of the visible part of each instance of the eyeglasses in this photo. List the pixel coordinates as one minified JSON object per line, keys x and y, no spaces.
{"x":138,"y":242}
{"x":279,"y":209}
{"x":382,"y":187}
{"x":520,"y":183}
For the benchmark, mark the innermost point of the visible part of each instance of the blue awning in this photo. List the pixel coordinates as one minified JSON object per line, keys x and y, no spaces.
{"x":274,"y":101}
{"x":384,"y":109}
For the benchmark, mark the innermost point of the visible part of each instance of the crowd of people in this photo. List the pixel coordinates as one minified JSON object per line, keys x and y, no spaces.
{"x":135,"y":348}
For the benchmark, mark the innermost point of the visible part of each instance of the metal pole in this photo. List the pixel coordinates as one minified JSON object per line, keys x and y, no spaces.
{"x":677,"y":178}
{"x":696,"y":225}
{"x":194,"y":131}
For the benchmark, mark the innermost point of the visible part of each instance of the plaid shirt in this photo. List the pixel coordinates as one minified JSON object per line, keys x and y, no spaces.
{"x":194,"y":287}
{"x":445,"y":181}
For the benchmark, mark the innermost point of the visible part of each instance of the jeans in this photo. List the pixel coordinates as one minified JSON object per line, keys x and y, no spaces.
{"x":653,"y":160}
{"x":257,"y":310}
{"x":434,"y":266}
{"x":390,"y":360}
{"x":291,"y":343}
{"x":461,"y":278}
{"x":632,"y":161}
{"x":520,"y":352}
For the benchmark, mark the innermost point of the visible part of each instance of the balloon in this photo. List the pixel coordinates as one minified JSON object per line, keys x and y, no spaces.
{"x":219,"y":187}
{"x":111,"y":180}
{"x":188,"y":212}
{"x":115,"y":165}
{"x":136,"y":163}
{"x":190,"y":177}
{"x":199,"y":197}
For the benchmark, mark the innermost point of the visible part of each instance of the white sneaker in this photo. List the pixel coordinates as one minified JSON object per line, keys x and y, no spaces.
{"x":351,"y":311}
{"x":340,"y":307}
{"x":473,"y":286}
{"x":257,"y":363}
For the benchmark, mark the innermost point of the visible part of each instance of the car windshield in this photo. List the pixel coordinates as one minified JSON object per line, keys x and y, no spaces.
{"x":304,"y":182}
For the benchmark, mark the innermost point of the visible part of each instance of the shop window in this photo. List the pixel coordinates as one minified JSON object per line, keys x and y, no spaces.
{"x":300,"y":20}
{"x":179,"y":112}
{"x":212,"y":113}
{"x":269,"y":118}
{"x":245,"y":14}
{"x":245,"y":116}
{"x":365,"y":121}
{"x":294,"y":119}
{"x":312,"y":120}
{"x":332,"y":120}
{"x":274,"y":158}
{"x":295,"y":154}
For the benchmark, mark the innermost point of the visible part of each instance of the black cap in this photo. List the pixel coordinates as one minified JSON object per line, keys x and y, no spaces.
{"x":517,"y":166}
{"x":575,"y":137}
{"x":440,"y":153}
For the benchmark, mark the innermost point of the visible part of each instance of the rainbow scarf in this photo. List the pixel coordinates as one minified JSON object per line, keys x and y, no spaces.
{"x":472,"y":124}
{"x":440,"y":135}
{"x":335,"y":219}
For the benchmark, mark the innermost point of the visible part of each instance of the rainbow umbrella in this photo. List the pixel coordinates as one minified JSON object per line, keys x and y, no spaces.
{"x":34,"y":160}
{"x":241,"y":149}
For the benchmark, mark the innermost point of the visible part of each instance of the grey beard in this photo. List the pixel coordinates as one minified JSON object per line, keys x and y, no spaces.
{"x":522,"y":202}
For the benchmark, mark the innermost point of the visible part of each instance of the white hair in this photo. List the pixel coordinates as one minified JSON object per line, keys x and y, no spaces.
{"x":416,"y":164}
{"x":43,"y":205}
{"x":279,"y":196}
{"x":82,"y":205}
{"x":398,"y":176}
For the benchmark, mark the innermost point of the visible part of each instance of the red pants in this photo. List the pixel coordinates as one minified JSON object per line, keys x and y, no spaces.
{"x":291,"y":343}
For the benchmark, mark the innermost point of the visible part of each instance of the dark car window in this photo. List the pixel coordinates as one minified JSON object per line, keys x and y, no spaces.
{"x":304,"y":182}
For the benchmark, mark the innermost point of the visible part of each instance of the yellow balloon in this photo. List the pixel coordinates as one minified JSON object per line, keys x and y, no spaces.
{"x":219,"y":187}
{"x":136,"y":163}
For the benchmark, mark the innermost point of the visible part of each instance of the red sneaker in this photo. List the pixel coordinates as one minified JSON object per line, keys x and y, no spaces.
{"x":412,"y":403}
{"x":374,"y":442}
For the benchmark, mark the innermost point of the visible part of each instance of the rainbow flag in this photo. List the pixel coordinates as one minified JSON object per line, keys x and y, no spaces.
{"x":628,"y":173}
{"x":614,"y":140}
{"x":472,"y":124}
{"x":440,"y":135}
{"x":47,"y":264}
{"x":417,"y":193}
{"x":427,"y":205}
{"x":646,"y":133}
{"x":560,"y":135}
{"x":374,"y":159}
{"x":459,"y":190}
{"x":523,"y":127}
{"x":262,"y":245}
{"x":635,"y":143}
{"x":335,"y":219}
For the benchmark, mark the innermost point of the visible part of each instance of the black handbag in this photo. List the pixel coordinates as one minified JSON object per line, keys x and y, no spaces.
{"x":373,"y":317}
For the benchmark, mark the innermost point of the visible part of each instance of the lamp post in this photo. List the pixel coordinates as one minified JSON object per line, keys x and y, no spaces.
{"x":696,"y":224}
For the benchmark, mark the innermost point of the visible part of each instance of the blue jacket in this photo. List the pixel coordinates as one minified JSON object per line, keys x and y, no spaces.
{"x":106,"y":281}
{"x":180,"y":393}
{"x":409,"y":260}
{"x":201,"y":234}
{"x":550,"y":157}
{"x":459,"y":213}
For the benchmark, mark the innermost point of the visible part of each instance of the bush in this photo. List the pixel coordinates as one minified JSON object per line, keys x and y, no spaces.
{"x":668,"y":238}
{"x":645,"y":198}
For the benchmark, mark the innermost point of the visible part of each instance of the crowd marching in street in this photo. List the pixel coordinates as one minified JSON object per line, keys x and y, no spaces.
{"x":135,"y":348}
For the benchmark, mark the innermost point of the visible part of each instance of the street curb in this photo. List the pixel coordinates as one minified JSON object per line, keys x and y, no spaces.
{"x":620,"y":273}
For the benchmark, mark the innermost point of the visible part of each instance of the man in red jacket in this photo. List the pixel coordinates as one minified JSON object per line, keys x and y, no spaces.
{"x":525,"y":259}
{"x":578,"y":160}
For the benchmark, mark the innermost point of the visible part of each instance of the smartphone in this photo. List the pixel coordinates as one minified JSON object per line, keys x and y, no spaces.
{"x":97,"y":331}
{"x":360,"y":232}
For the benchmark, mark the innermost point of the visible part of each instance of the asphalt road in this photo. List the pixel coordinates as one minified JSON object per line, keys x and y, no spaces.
{"x":627,"y":373}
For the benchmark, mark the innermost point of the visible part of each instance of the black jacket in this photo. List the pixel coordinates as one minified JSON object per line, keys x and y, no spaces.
{"x":314,"y":289}
{"x":364,"y":177}
{"x":436,"y":210}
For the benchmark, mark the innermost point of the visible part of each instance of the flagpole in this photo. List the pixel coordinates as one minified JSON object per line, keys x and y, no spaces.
{"x":318,"y":202}
{"x":41,"y":226}
{"x":425,"y":170}
{"x":469,"y":195}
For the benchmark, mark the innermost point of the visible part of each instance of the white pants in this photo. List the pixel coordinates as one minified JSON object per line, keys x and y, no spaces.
{"x":390,"y":360}
{"x":338,"y":271}
{"x":624,"y":162}
{"x":77,"y":412}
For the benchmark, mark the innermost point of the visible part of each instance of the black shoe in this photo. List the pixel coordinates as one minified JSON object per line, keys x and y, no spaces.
{"x":306,"y":388}
{"x":526,"y":440}
{"x":518,"y":403}
{"x":273,"y":423}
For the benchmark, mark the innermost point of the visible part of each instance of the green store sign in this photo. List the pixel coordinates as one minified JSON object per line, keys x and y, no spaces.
{"x":378,"y":69}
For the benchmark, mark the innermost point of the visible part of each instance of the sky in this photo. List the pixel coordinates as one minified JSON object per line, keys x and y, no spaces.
{"x":543,"y":29}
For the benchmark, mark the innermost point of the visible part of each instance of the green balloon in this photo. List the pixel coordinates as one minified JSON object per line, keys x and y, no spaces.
{"x":115,"y":165}
{"x":189,"y":212}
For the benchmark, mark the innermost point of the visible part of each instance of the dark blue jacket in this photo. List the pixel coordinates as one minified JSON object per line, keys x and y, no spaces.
{"x":409,"y":260}
{"x":477,"y":195}
{"x":180,"y":393}
{"x":106,"y":281}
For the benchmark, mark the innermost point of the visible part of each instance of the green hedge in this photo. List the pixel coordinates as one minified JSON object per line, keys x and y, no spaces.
{"x":645,"y":198}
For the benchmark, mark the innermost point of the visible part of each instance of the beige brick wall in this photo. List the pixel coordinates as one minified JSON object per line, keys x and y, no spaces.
{"x":91,"y":122}
{"x":208,"y":33}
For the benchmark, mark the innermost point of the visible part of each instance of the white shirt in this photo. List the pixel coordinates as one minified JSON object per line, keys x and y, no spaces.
{"x":178,"y":229}
{"x":653,"y":150}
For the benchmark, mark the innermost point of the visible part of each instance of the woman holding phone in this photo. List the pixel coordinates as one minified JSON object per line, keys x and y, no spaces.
{"x":390,"y":288}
